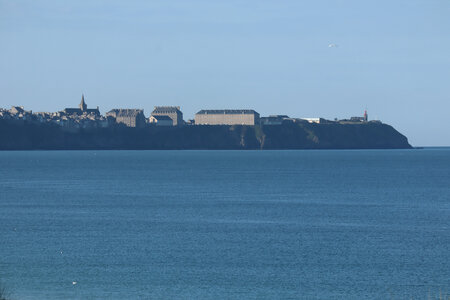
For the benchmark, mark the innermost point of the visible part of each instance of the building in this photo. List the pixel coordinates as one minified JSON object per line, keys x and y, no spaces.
{"x":316,"y":120}
{"x":161,"y":120}
{"x":273,"y":120}
{"x":364,"y":118}
{"x":357,"y":119}
{"x":129,"y":117}
{"x":82,"y":109}
{"x":227,"y":117}
{"x":172,"y":112}
{"x":17,"y":110}
{"x":19,"y":113}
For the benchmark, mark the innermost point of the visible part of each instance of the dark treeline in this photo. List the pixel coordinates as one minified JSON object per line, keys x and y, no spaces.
{"x":22,"y":135}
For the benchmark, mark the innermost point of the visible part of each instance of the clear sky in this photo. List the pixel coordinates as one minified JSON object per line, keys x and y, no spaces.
{"x":392,"y":57}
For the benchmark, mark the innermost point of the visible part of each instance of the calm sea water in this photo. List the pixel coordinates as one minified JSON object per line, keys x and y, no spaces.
{"x":225,"y":224}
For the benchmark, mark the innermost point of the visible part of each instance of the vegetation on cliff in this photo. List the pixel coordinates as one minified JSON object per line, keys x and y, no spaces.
{"x":21,"y":135}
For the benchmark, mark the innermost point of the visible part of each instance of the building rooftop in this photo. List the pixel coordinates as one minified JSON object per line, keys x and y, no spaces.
{"x":17,"y":109}
{"x":166,"y":109}
{"x":226,"y":112}
{"x":125,"y":112}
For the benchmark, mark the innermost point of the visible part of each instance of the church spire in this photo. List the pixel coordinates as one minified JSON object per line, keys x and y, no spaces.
{"x":83,"y":105}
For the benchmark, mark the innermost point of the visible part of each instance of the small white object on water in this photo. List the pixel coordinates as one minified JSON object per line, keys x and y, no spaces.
{"x":74,"y":282}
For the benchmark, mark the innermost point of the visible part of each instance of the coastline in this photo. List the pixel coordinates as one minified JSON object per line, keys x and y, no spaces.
{"x":22,"y":135}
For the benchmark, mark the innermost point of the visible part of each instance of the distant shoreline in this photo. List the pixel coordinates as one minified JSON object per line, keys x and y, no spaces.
{"x":431,"y":147}
{"x":23,"y":135}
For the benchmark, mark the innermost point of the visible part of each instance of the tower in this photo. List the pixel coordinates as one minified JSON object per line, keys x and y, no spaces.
{"x":83,"y":105}
{"x":366,"y":117}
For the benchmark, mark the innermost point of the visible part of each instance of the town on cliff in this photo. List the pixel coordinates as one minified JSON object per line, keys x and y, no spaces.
{"x":84,"y":117}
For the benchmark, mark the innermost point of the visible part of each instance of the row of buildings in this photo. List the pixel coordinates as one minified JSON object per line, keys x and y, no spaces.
{"x":84,"y":117}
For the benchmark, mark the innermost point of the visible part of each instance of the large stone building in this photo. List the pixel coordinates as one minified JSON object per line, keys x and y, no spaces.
{"x":82,"y":109}
{"x":227,"y":117}
{"x":172,"y":112}
{"x":129,"y":117}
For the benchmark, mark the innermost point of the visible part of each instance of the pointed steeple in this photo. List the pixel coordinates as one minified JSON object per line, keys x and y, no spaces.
{"x":83,"y":105}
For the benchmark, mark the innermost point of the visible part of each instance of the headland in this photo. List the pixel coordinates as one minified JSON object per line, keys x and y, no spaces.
{"x":231,"y":129}
{"x":24,"y":135}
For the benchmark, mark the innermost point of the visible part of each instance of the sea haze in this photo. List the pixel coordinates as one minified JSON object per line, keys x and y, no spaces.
{"x":359,"y":224}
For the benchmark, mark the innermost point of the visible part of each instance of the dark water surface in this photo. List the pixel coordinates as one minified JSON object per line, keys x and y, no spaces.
{"x":225,"y":224}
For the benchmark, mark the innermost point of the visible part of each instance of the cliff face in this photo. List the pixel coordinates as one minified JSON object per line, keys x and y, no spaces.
{"x":333,"y":136}
{"x":16,"y":135}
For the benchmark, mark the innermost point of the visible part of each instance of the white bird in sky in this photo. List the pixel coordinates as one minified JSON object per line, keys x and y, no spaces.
{"x":332,"y":46}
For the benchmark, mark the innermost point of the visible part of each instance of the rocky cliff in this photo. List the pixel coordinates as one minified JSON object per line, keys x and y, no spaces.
{"x":21,"y":135}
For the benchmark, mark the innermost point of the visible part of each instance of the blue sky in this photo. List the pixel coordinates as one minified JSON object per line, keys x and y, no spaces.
{"x":273,"y":56}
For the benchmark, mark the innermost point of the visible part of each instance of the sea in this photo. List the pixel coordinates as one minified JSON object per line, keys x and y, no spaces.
{"x":319,"y":224}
